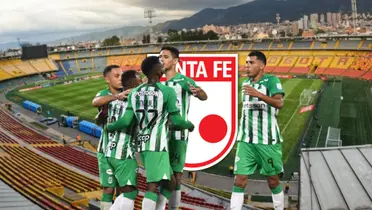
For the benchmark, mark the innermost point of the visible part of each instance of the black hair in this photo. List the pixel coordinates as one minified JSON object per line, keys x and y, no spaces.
{"x":260,"y":56}
{"x":128,"y":76}
{"x":148,"y":65}
{"x":108,"y":69}
{"x":174,"y":51}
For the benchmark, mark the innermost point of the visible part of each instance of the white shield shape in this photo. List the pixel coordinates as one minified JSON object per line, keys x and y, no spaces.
{"x":215,"y":119}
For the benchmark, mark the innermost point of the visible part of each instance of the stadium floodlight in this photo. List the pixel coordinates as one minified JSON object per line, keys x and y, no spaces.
{"x":149,"y":14}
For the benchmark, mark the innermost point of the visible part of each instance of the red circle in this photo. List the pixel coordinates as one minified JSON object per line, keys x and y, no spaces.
{"x":213,"y":128}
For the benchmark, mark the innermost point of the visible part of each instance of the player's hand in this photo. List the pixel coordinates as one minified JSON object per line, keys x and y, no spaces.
{"x":249,"y":90}
{"x":193,"y":89}
{"x":192,"y":127}
{"x":123,"y":94}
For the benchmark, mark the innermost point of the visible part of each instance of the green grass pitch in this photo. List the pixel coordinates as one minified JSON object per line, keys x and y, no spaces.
{"x":77,"y":98}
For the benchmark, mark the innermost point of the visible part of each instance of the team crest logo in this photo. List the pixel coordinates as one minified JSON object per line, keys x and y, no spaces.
{"x":215,"y":119}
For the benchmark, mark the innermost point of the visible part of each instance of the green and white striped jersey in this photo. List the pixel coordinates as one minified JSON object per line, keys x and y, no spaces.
{"x":180,"y":84}
{"x":152,"y":104}
{"x":116,"y":144}
{"x":258,"y":124}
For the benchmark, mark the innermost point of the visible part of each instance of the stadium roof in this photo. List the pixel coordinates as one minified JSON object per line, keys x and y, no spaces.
{"x":10,"y":199}
{"x":336,"y":178}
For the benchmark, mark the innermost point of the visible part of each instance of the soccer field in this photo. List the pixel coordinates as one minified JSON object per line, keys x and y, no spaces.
{"x":77,"y":99}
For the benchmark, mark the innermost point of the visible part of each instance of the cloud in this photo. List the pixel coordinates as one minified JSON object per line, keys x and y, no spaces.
{"x":194,"y":5}
{"x":36,"y":18}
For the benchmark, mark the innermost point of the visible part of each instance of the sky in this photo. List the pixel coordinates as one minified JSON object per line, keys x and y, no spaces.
{"x":47,"y":20}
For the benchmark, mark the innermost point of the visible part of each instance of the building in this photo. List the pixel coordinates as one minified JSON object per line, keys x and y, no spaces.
{"x":329,"y":18}
{"x":306,"y":22}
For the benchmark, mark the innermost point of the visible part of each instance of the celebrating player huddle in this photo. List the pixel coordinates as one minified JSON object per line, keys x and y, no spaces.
{"x":151,"y":119}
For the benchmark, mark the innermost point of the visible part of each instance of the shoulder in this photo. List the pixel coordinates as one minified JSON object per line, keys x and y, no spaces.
{"x":271,"y":77}
{"x":247,"y":81}
{"x":103,"y":92}
{"x":165,"y":90}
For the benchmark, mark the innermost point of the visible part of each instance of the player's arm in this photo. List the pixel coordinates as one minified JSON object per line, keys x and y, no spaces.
{"x":99,"y":101}
{"x":123,"y":122}
{"x":276,"y":93}
{"x":196,"y":90}
{"x":274,"y":101}
{"x":177,"y":122}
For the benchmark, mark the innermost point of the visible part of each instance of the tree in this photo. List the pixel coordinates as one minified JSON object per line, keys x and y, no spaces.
{"x":211,"y":35}
{"x":112,"y":41}
{"x":160,"y":40}
{"x":144,"y":39}
{"x":148,"y":38}
{"x":300,"y":32}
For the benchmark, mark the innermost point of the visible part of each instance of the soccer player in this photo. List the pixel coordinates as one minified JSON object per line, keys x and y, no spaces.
{"x":185,"y":87}
{"x":259,"y":139}
{"x":151,"y":104}
{"x":103,"y":99}
{"x":120,"y":151}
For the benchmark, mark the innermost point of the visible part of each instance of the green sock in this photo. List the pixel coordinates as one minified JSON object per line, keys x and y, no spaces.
{"x":277,"y":190}
{"x":238,"y":189}
{"x":165,"y":193}
{"x":107,"y":197}
{"x":131,"y":195}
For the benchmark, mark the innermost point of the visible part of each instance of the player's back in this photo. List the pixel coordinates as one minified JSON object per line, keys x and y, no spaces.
{"x":150,"y":106}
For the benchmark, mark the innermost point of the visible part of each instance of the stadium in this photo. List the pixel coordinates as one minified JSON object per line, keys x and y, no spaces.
{"x":327,"y":117}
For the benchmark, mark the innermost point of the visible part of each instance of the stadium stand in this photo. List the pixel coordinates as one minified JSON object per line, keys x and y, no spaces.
{"x":4,"y":75}
{"x":282,"y":45}
{"x":42,"y":180}
{"x":196,"y":47}
{"x":21,"y":131}
{"x":61,"y":71}
{"x":339,"y":65}
{"x":11,"y":200}
{"x":116,"y":51}
{"x":366,"y":45}
{"x":321,"y":63}
{"x":264,"y":45}
{"x":318,"y":45}
{"x":72,"y":156}
{"x":99,"y":64}
{"x":326,"y":56}
{"x":17,"y":68}
{"x":272,"y":62}
{"x":85,"y":64}
{"x":40,"y":65}
{"x":301,"y":45}
{"x":349,"y":44}
{"x":302,"y":65}
{"x":5,"y":139}
{"x":286,"y":64}
{"x":9,"y":68}
{"x":83,"y":54}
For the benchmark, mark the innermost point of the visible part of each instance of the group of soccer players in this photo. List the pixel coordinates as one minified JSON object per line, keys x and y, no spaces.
{"x":150,"y":118}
